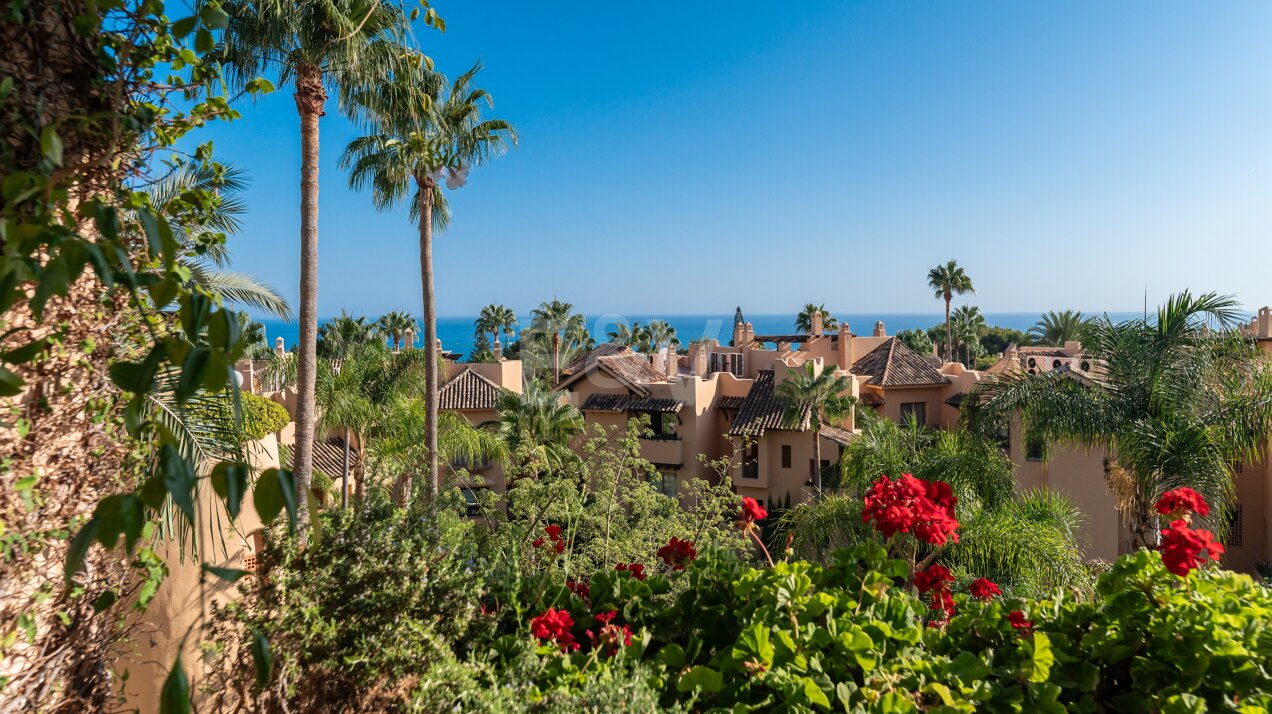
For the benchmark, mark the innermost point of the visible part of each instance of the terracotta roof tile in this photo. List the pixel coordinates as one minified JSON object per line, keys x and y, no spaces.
{"x":628,"y":403}
{"x":870,"y":399}
{"x":468,"y":390}
{"x":892,"y":364}
{"x":619,"y":361}
{"x":837,"y":435}
{"x":328,"y":457}
{"x":762,"y":409}
{"x":731,"y":402}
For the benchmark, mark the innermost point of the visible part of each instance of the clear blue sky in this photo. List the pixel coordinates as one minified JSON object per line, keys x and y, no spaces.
{"x":688,"y":157}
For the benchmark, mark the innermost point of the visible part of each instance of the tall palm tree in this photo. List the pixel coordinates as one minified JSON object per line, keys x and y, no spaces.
{"x":947,"y":281}
{"x":1024,"y":541}
{"x":1057,"y":328}
{"x":819,"y":398}
{"x":634,"y":335}
{"x":395,"y":325}
{"x":441,"y":134}
{"x":804,"y":320}
{"x":556,"y":324}
{"x":537,"y":427}
{"x":968,"y":324}
{"x":318,"y":45}
{"x":495,"y":319}
{"x":1174,"y":401}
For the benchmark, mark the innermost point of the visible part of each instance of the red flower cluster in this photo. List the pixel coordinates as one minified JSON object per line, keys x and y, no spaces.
{"x":911,"y":505}
{"x":610,"y":635}
{"x":1175,"y":504}
{"x":553,"y":532}
{"x":678,"y":553}
{"x":984,"y":589}
{"x":636,"y":569}
{"x":1018,"y":621}
{"x":554,"y":626}
{"x":935,"y":582}
{"x":1184,"y":548}
{"x":752,"y":511}
{"x":578,"y":588}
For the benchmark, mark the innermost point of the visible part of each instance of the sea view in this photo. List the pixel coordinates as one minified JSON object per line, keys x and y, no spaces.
{"x":456,"y":333}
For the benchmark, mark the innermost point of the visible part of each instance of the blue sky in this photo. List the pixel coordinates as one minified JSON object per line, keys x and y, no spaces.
{"x":689,"y":157}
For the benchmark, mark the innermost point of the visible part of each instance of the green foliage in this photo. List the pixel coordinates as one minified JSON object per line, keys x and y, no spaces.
{"x":261,"y":416}
{"x":916,"y":340}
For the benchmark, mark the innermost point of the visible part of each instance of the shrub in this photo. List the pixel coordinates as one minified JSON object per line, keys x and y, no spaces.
{"x":261,"y":416}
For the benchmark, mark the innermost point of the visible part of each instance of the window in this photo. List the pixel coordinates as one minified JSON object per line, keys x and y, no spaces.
{"x":786,"y":456}
{"x":914,"y":410}
{"x":1033,"y":450}
{"x":1032,"y":363}
{"x":663,"y":425}
{"x":1055,"y":364}
{"x":666,"y":484}
{"x":470,"y":495}
{"x":751,"y":461}
{"x":1086,"y":366}
{"x":1236,"y":527}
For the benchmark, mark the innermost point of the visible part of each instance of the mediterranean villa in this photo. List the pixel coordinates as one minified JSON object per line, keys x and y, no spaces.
{"x":719,"y":402}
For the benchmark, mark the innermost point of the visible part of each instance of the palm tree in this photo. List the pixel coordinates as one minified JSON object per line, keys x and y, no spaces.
{"x":339,"y":336}
{"x":1024,"y":541}
{"x":556,"y":324}
{"x":633,"y":335}
{"x":804,"y":320}
{"x":343,"y":45}
{"x":1057,"y":328}
{"x":661,"y":333}
{"x":1174,"y":400}
{"x":440,"y":134}
{"x":204,"y":253}
{"x":537,"y":427}
{"x":968,"y":323}
{"x":916,"y":340}
{"x":947,"y":281}
{"x":395,"y":325}
{"x":817,"y":398}
{"x":495,"y":319}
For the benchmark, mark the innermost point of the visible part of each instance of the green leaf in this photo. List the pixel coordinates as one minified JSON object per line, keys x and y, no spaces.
{"x":105,"y":600}
{"x":275,"y":490}
{"x":51,"y":144}
{"x":700,"y":678}
{"x":175,"y":697}
{"x":229,"y":481}
{"x":178,"y":480}
{"x":121,"y":513}
{"x":10,"y":383}
{"x":163,"y":292}
{"x":263,"y":657}
{"x":214,"y":17}
{"x":672,"y":656}
{"x":192,"y":376}
{"x":78,"y":549}
{"x":25,"y":353}
{"x":203,"y":41}
{"x":184,"y":26}
{"x":814,"y":693}
{"x":1042,"y":658}
{"x":227,"y":574}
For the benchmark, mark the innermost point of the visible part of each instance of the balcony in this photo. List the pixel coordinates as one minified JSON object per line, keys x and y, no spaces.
{"x":663,"y":450}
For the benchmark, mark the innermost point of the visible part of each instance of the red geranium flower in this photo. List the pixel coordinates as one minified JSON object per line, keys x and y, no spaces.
{"x":611,"y":635}
{"x":677,"y":553}
{"x":579,"y":588}
{"x":1018,"y":621}
{"x":636,"y":569}
{"x":752,"y":511}
{"x":538,"y":542}
{"x":911,"y":505}
{"x":554,"y":626}
{"x":1181,"y":501}
{"x":554,"y":532}
{"x":1184,"y":548}
{"x":934,"y":578}
{"x":984,"y":589}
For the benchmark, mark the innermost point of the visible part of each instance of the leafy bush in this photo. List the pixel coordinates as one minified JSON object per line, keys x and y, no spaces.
{"x":261,"y":416}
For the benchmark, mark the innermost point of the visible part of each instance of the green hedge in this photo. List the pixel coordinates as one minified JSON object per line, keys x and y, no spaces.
{"x":261,"y":416}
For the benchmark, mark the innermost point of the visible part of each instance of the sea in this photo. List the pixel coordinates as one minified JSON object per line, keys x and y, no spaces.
{"x":456,"y":333}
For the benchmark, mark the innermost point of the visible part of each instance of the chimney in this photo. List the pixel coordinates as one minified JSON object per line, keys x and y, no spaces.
{"x":879,"y":331}
{"x":739,"y":333}
{"x":278,"y":345}
{"x":673,"y":362}
{"x":498,"y":350}
{"x":750,"y":334}
{"x":658,"y":361}
{"x":409,"y":341}
{"x":845,"y":346}
{"x":1265,"y":322}
{"x":700,"y":362}
{"x":816,"y":321}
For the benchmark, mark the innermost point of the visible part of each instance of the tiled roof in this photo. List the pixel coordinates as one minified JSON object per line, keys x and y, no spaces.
{"x":328,"y":457}
{"x":837,"y":435}
{"x":892,"y":364}
{"x":762,"y":409}
{"x":731,"y":402}
{"x":870,"y":399}
{"x":468,"y":390}
{"x":956,"y":400}
{"x":619,"y":361}
{"x":628,"y":403}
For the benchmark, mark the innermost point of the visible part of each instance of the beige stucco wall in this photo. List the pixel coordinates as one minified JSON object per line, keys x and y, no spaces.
{"x":184,"y":600}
